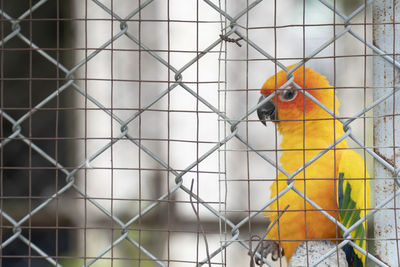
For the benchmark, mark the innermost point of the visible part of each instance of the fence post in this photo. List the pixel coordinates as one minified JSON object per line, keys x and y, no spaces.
{"x":386,"y":36}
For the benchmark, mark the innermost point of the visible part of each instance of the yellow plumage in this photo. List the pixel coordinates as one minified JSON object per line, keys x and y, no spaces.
{"x":306,"y":130}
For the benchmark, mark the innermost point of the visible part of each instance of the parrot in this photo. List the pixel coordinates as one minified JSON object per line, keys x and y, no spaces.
{"x":337,"y":181}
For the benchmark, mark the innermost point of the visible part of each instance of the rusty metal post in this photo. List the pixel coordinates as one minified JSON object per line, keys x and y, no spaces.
{"x":386,"y":36}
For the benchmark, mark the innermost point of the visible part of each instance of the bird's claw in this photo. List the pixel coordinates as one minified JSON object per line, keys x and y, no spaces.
{"x":267,"y":247}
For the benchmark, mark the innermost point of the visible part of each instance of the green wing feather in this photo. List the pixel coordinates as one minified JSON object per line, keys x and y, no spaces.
{"x":353,"y":199}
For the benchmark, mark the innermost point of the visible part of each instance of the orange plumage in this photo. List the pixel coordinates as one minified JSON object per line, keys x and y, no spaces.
{"x":306,"y":130}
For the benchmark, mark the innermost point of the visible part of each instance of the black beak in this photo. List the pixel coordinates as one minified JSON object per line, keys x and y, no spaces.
{"x":267,"y":111}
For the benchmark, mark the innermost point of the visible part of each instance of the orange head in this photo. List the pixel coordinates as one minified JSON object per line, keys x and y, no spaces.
{"x":291,"y":104}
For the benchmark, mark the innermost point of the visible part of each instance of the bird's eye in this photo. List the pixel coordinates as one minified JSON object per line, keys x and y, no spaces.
{"x":288,"y":94}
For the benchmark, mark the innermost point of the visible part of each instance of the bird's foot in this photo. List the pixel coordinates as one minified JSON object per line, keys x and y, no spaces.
{"x":266,"y":247}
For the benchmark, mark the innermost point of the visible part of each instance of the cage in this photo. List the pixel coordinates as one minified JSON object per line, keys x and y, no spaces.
{"x":130,"y":136}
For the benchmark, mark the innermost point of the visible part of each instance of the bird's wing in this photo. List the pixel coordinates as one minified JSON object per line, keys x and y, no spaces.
{"x":353,"y":201}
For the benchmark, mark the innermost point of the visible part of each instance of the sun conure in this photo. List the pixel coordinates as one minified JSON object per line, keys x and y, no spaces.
{"x":337,"y":181}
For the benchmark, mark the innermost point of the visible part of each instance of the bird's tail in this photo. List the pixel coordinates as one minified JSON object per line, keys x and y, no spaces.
{"x":352,"y":258}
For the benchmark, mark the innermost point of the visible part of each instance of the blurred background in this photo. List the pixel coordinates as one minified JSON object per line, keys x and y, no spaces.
{"x":113,"y":78}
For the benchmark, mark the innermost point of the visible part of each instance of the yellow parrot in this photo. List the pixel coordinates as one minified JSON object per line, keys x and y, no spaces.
{"x":338,"y":181}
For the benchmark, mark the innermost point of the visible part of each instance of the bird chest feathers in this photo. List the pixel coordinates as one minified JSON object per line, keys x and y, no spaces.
{"x":317,"y":181}
{"x":306,"y":141}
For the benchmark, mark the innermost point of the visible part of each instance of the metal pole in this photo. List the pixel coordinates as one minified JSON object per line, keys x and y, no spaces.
{"x":386,"y":36}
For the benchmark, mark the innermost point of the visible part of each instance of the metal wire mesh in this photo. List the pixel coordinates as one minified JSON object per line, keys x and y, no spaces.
{"x":232,"y":34}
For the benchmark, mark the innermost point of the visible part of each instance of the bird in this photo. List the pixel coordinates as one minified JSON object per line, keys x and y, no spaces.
{"x":337,"y":181}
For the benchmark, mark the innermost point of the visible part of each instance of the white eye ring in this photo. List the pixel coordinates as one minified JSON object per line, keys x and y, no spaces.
{"x":288,"y":94}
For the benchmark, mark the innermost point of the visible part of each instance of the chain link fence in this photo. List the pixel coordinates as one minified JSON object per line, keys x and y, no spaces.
{"x":17,"y":228}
